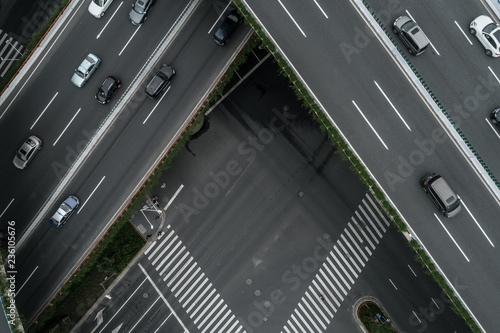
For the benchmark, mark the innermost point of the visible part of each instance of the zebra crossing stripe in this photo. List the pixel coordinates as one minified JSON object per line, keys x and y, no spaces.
{"x":207,"y":288}
{"x":343,"y":270}
{"x":298,"y":324}
{"x":192,"y":276}
{"x":378,"y":210}
{"x":200,"y":306}
{"x":195,"y":292}
{"x":326,"y":292}
{"x":332,"y":285}
{"x":309,"y":317}
{"x":363,"y":233}
{"x":168,"y":255}
{"x":194,"y":284}
{"x":202,"y":314}
{"x":355,"y":244}
{"x":222,"y":320}
{"x":160,"y":246}
{"x":302,"y":318}
{"x":340,"y":275}
{"x":223,"y":328}
{"x":367,"y":205}
{"x":187,"y":264}
{"x":173,"y":259}
{"x":371,"y":222}
{"x":367,"y":228}
{"x":313,"y":302}
{"x":348,"y":255}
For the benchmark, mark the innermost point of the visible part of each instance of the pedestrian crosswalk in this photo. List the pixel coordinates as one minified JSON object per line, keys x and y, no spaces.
{"x":339,"y":271}
{"x":190,"y":286}
{"x":337,"y":274}
{"x":10,"y":51}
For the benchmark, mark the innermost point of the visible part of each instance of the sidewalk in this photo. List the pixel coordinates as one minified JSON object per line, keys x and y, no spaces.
{"x":148,"y":220}
{"x":495,"y":7}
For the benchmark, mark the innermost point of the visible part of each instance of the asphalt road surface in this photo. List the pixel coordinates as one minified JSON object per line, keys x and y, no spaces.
{"x":264,"y":218}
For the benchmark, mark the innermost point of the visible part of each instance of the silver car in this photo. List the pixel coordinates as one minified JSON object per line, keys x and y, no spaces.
{"x":65,"y":210}
{"x":85,"y":70}
{"x":27,"y":151}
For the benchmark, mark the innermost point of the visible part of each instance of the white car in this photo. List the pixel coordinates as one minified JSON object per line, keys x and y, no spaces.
{"x":98,"y":7}
{"x":488,"y":33}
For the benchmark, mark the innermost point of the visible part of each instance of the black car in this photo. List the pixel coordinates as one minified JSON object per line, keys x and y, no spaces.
{"x":495,"y":117}
{"x":160,"y":81}
{"x":107,"y":89}
{"x":221,"y":36}
{"x":139,"y":11}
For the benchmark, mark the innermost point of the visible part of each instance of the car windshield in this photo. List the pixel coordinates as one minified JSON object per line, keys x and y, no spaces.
{"x":408,"y":26}
{"x":497,"y":35}
{"x":79,"y":73}
{"x":65,"y":208}
{"x":489,"y":28}
{"x":21,"y":154}
{"x":453,"y":207}
{"x":139,"y":7}
{"x":100,"y":3}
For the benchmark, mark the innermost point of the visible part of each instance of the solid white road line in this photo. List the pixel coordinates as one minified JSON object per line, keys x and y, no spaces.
{"x":465,"y":35}
{"x":17,"y":292}
{"x":173,"y":197}
{"x":145,"y":313}
{"x":496,"y":77}
{"x":362,"y":115}
{"x":64,"y":130}
{"x":164,"y":94}
{"x":123,"y":49}
{"x":415,"y":274}
{"x":100,"y":33}
{"x":453,"y":239}
{"x":128,"y":299}
{"x":477,"y":223}
{"x":90,"y":195}
{"x":492,"y":127}
{"x":10,"y":203}
{"x":322,"y":11}
{"x":432,"y":45}
{"x":293,"y":20}
{"x":41,"y":114}
{"x":219,"y":17}
{"x":392,"y":106}
{"x":393,"y":284}
{"x":163,"y":298}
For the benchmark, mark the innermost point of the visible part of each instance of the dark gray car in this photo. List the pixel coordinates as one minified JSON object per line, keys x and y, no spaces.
{"x":411,"y":35}
{"x":160,"y":81}
{"x":222,"y":34}
{"x":140,"y":10}
{"x":441,"y":194}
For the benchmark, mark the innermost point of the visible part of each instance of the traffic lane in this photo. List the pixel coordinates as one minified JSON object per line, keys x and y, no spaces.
{"x":136,"y":153}
{"x":396,"y":135}
{"x":56,"y":109}
{"x":470,"y":93}
{"x":386,"y":162}
{"x":128,"y":306}
{"x":229,"y":207}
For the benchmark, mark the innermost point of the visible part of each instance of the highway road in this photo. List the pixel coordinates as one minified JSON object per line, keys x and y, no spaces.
{"x":257,"y":203}
{"x":66,"y":118}
{"x":390,"y":127}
